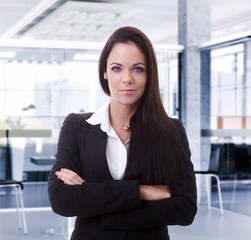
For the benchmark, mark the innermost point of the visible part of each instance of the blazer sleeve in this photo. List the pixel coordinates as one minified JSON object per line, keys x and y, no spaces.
{"x":90,"y":198}
{"x":180,"y":209}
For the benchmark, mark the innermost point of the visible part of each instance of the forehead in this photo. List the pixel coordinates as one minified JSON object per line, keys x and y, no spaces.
{"x":128,"y":50}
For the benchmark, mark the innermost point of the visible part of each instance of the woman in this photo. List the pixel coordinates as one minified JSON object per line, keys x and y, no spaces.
{"x":125,"y":170}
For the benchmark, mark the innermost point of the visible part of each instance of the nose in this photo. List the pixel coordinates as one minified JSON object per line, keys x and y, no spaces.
{"x":127,"y":78}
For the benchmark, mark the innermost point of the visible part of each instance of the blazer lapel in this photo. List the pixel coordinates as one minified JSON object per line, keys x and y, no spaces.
{"x":95,"y":152}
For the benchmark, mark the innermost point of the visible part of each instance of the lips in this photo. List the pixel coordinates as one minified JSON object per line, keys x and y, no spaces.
{"x":127,"y":90}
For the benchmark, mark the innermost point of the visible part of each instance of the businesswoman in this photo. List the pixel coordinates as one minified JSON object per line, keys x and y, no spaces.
{"x":124,"y":170}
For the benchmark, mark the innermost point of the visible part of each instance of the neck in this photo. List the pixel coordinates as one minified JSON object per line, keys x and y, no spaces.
{"x":121,"y":115}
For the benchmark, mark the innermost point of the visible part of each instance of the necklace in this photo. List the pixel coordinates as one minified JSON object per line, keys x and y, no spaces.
{"x":125,"y":128}
{"x":124,"y":134}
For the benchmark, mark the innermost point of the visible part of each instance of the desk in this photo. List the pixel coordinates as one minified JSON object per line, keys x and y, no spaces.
{"x":43,"y":160}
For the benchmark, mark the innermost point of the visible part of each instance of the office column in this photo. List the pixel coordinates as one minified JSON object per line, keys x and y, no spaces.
{"x":194,"y":29}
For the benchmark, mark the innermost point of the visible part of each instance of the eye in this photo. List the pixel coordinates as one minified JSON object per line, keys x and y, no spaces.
{"x":139,"y":69}
{"x":116,"y":69}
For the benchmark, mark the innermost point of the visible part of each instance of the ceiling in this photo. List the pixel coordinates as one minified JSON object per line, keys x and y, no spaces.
{"x":94,"y":21}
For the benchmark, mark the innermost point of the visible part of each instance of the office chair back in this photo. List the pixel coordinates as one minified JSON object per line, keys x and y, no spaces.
{"x":214,"y":162}
{"x":5,"y":163}
{"x":242,"y":159}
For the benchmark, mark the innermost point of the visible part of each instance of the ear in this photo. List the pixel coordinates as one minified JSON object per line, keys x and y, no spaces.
{"x":105,"y":76}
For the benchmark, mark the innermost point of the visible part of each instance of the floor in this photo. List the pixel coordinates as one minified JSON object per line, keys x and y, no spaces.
{"x":43,"y":224}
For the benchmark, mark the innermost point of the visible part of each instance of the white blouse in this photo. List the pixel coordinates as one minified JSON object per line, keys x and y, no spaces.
{"x":116,"y":151}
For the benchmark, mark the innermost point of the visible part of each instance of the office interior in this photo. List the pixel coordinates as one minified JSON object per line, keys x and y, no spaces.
{"x":49,"y":54}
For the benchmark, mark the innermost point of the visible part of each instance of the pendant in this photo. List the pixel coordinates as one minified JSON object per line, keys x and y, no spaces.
{"x":127,"y":128}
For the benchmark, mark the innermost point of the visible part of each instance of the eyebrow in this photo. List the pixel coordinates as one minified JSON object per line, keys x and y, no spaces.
{"x":135,"y":64}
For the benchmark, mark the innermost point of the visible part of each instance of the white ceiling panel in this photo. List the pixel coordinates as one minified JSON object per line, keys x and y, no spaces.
{"x":95,"y":20}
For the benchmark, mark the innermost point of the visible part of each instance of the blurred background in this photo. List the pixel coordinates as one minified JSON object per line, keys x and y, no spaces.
{"x":49,"y":51}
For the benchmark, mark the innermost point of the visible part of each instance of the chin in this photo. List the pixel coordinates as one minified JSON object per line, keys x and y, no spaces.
{"x":129,"y":103}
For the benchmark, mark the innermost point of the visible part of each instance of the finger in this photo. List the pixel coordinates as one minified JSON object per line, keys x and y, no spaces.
{"x":72,"y":175}
{"x":69,"y":177}
{"x":63,"y":176}
{"x":69,"y":174}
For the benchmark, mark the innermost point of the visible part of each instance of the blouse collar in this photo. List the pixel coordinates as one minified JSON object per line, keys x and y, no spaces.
{"x":101,"y":116}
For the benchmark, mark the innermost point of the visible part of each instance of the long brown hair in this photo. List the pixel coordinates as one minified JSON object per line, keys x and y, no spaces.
{"x":156,"y":148}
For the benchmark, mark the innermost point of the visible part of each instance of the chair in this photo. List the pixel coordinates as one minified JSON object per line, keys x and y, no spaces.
{"x":18,"y":186}
{"x":212,"y":172}
{"x":242,"y":160}
{"x":7,"y":182}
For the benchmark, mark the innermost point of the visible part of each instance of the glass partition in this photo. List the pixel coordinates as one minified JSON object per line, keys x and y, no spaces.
{"x":231,"y":121}
{"x":230,"y":90}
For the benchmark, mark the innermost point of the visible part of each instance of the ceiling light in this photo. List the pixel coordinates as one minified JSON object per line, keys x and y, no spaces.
{"x":28,"y":18}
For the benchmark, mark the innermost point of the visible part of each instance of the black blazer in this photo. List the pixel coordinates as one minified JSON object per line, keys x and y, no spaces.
{"x":107,"y":208}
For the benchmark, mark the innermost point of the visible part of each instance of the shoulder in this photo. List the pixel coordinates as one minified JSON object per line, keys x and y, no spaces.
{"x":178,"y":124}
{"x":182,"y":134}
{"x":180,"y":130}
{"x":78,"y":116}
{"x":77,"y":119}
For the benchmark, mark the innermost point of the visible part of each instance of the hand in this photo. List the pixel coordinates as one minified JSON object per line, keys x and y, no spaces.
{"x":154,"y":192}
{"x":69,"y":177}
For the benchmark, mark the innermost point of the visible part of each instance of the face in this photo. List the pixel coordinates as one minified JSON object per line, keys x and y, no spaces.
{"x":126,"y":74}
